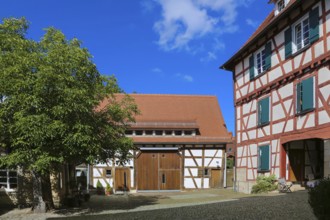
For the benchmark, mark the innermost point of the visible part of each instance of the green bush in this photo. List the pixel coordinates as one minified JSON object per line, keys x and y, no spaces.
{"x":99,"y":185}
{"x":264,"y":184}
{"x":319,"y":199}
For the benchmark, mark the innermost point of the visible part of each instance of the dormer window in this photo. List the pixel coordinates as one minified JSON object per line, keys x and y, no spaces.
{"x":280,"y":5}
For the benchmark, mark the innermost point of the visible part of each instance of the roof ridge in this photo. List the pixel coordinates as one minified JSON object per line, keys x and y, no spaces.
{"x":182,"y":95}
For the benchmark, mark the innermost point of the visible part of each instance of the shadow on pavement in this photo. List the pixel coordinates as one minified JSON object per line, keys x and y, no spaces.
{"x":6,"y":203}
{"x":98,"y":204}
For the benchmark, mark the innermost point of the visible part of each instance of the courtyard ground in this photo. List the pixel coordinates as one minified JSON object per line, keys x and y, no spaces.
{"x":203,"y":204}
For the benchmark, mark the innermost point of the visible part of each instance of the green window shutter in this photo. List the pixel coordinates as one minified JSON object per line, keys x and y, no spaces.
{"x":288,"y":42}
{"x":263,"y":158}
{"x":251,"y":63}
{"x":298,"y":104}
{"x":263,"y":113}
{"x":307,"y":94}
{"x":268,"y":53}
{"x":314,"y":25}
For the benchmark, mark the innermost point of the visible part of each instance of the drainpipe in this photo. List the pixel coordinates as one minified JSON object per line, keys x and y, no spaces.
{"x":225,"y":172}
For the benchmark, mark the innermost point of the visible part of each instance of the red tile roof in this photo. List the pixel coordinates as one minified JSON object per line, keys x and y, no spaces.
{"x":179,"y":112}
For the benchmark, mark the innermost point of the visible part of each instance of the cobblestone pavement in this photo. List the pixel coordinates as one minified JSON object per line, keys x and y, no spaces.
{"x":210,"y":204}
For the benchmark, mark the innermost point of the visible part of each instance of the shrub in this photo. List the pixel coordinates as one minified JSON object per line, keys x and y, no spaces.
{"x":319,"y":199}
{"x":264,"y":184}
{"x":99,"y":188}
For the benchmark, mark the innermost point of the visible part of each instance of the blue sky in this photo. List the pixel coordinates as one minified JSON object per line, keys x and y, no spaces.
{"x":154,"y":46}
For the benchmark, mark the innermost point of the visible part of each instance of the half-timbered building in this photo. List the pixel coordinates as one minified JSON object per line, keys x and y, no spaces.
{"x":179,"y":143}
{"x":282,"y":95}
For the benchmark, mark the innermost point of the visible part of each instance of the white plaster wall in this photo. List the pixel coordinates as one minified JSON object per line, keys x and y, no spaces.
{"x":197,"y":153}
{"x":289,"y":126}
{"x":206,"y":183}
{"x":274,"y":97}
{"x":324,"y":75}
{"x":253,"y":149}
{"x":238,"y":68}
{"x":275,"y":73}
{"x":279,"y":38}
{"x":188,"y":183}
{"x":278,"y":112}
{"x":252,"y":134}
{"x":250,"y":174}
{"x":267,"y":129}
{"x":287,"y":67}
{"x":239,"y":80}
{"x":96,"y":173}
{"x":238,"y":124}
{"x":189,"y":162}
{"x":310,"y":121}
{"x":281,"y":51}
{"x":297,"y":60}
{"x":263,"y":79}
{"x":194,"y":171}
{"x":328,"y":42}
{"x":247,"y":76}
{"x":323,"y":117}
{"x":198,"y":182}
{"x":258,"y":85}
{"x":327,"y":5}
{"x":238,"y":138}
{"x":246,"y":107}
{"x":238,"y":95}
{"x":287,"y":105}
{"x":238,"y":112}
{"x":244,"y":90}
{"x":244,"y":162}
{"x":260,"y":134}
{"x":320,"y":103}
{"x":325,"y":91}
{"x":278,"y":127}
{"x":240,"y":151}
{"x":274,"y":146}
{"x":319,"y":48}
{"x":286,"y":90}
{"x":252,"y":121}
{"x":251,"y":88}
{"x":300,"y":121}
{"x":277,"y":172}
{"x":308,"y":56}
{"x":210,"y":153}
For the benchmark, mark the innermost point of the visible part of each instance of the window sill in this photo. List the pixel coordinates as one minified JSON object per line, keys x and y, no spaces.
{"x":299,"y":51}
{"x":302,"y":113}
{"x":262,"y":125}
{"x":259,"y":75}
{"x":263,"y":171}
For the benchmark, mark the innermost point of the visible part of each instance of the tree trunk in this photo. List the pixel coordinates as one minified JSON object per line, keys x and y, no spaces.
{"x":47,"y":190}
{"x":39,"y":206}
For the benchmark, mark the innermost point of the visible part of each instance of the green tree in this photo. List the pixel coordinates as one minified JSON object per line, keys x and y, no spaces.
{"x":49,"y":105}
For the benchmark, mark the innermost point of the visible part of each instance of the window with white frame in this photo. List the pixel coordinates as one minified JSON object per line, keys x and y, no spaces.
{"x":280,"y":5}
{"x":8,"y":179}
{"x":301,"y":34}
{"x":261,"y":61}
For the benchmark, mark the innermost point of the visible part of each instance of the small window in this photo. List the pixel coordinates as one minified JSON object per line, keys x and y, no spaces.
{"x":206,"y":172}
{"x":129,"y":132}
{"x":148,"y":132}
{"x":159,"y":132}
{"x":188,"y":133}
{"x":263,"y":158}
{"x":260,"y":61}
{"x":280,"y":5}
{"x":178,"y":133}
{"x":263,"y":111}
{"x":8,"y":179}
{"x":163,"y":178}
{"x":305,"y":95}
{"x":108,"y":172}
{"x":168,"y":132}
{"x":138,"y":132}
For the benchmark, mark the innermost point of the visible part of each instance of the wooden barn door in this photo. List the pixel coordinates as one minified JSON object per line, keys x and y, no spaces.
{"x":215,"y":178}
{"x":297,"y":165}
{"x":158,"y":170}
{"x":122,"y":179}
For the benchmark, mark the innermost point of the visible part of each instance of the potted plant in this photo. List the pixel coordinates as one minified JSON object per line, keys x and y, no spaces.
{"x":108,"y":189}
{"x":99,"y":188}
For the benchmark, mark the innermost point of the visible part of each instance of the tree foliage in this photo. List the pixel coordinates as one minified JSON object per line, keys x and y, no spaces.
{"x":49,"y":96}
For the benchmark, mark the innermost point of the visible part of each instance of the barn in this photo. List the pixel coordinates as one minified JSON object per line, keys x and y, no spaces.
{"x":180,"y":143}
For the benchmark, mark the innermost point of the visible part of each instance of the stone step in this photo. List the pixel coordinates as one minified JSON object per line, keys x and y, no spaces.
{"x":297,"y":187}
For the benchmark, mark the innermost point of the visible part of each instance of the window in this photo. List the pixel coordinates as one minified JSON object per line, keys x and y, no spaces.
{"x":108,"y":172}
{"x":188,"y":133}
{"x":129,"y":132}
{"x":302,"y":33}
{"x":263,"y":111}
{"x":138,"y":132}
{"x":8,"y":179}
{"x":280,"y":5}
{"x":159,"y":132}
{"x":148,"y":132}
{"x":177,"y":133}
{"x":305,"y":95}
{"x":263,"y":158}
{"x":260,"y":61}
{"x":168,"y":132}
{"x":163,"y":178}
{"x":206,"y":172}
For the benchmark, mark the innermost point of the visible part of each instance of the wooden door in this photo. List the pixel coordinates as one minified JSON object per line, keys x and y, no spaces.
{"x":158,"y":170}
{"x":122,"y":179}
{"x":215,"y":178}
{"x":169,"y":170}
{"x":147,"y":171}
{"x":297,"y":165}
